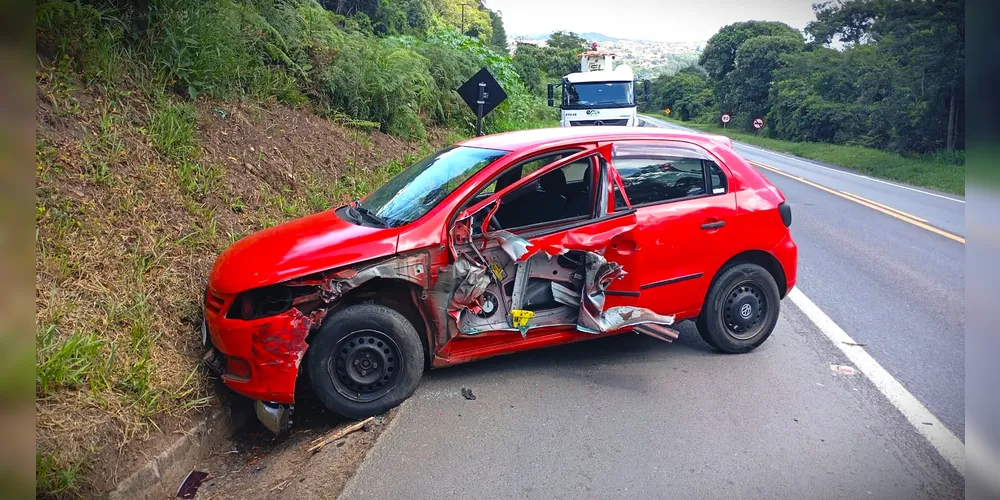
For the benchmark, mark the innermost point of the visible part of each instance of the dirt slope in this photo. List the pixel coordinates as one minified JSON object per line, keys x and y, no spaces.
{"x":135,"y":197}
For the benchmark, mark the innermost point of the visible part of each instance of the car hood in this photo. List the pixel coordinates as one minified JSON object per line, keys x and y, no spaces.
{"x":298,"y":248}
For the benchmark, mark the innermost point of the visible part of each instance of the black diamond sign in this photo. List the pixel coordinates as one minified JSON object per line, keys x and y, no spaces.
{"x":493,"y":94}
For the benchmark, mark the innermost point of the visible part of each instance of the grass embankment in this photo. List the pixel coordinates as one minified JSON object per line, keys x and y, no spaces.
{"x":934,"y":172}
{"x":133,"y":204}
{"x":158,"y":148}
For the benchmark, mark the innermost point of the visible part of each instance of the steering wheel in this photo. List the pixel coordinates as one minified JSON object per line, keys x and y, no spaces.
{"x":494,"y":223}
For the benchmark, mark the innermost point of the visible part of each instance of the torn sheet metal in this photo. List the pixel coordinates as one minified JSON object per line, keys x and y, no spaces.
{"x":458,"y":288}
{"x":594,"y":238}
{"x":412,"y":268}
{"x":515,"y":247}
{"x":593,"y":318}
{"x":565,"y":295}
{"x":472,"y":280}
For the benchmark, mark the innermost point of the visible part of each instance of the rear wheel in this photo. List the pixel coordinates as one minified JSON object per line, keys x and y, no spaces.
{"x":365,"y":360}
{"x":741,"y":309}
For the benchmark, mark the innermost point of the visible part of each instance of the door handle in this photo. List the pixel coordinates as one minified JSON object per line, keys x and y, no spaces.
{"x":713,"y":225}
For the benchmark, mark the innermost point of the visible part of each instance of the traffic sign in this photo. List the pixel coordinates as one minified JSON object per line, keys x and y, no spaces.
{"x":483,"y":94}
{"x":726,"y":117}
{"x":666,"y":111}
{"x":758,"y":123}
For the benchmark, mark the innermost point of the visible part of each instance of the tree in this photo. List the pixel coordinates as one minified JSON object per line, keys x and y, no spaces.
{"x":925,"y":42}
{"x":566,"y":40}
{"x":469,"y":17}
{"x":749,"y":84}
{"x":848,"y":21}
{"x":719,"y":56}
{"x":527,"y":67}
{"x":499,"y":40}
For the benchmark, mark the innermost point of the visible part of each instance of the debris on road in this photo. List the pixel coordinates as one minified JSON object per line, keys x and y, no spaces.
{"x":189,"y":487}
{"x":319,"y":443}
{"x":280,"y":486}
{"x":855,"y":344}
{"x":843,"y":369}
{"x":467,"y":394}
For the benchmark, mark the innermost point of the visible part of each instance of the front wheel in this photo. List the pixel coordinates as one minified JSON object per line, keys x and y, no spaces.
{"x":741,"y":309}
{"x":365,"y":360}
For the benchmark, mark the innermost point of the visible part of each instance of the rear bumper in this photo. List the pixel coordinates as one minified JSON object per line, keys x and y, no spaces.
{"x":787,"y":254}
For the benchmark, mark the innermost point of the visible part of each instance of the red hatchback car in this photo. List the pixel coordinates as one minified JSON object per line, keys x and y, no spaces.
{"x":495,"y":245}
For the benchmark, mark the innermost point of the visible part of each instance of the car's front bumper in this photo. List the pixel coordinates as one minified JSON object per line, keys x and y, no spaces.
{"x":267,"y":350}
{"x":787,"y":254}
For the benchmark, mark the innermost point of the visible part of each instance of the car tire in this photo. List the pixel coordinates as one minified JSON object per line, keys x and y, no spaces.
{"x":365,"y":360}
{"x":741,"y":309}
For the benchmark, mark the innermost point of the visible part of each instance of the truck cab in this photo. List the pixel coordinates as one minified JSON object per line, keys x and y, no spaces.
{"x":599,"y":94}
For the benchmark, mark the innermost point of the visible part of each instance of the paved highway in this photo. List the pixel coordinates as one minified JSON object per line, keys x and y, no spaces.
{"x":880,"y":288}
{"x":891,"y":284}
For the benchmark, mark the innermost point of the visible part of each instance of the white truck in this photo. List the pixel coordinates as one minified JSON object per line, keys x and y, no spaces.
{"x":600,"y":94}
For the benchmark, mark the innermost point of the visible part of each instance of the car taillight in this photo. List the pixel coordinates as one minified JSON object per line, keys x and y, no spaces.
{"x":786,"y":213}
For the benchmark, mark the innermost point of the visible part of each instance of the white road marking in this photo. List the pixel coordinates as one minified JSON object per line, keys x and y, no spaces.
{"x":943,"y":440}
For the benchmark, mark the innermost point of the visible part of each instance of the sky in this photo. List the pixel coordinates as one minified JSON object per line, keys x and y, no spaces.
{"x":666,"y":20}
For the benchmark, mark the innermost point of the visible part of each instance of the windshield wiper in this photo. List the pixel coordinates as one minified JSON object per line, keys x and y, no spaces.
{"x":371,"y":215}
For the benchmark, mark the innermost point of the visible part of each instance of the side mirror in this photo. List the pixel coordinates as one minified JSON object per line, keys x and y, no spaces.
{"x":552,"y":93}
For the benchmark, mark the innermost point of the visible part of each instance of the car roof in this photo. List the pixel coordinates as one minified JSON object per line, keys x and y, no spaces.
{"x":521,"y":139}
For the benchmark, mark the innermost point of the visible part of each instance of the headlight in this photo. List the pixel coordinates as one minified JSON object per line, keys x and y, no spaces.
{"x":269,"y":301}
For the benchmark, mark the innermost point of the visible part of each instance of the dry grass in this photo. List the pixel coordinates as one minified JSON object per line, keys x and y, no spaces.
{"x":135,"y":197}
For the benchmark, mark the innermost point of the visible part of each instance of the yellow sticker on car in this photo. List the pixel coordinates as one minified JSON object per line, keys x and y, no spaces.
{"x":520,"y":317}
{"x":498,"y":271}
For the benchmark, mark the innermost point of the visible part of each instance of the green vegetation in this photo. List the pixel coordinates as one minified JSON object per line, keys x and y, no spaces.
{"x":53,"y":478}
{"x":897,"y":85}
{"x":538,"y":65}
{"x":171,"y":129}
{"x":943,"y":171}
{"x":396,"y":64}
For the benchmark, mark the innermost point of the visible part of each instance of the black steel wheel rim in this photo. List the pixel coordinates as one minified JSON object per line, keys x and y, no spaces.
{"x":744,"y":310}
{"x":365,"y":365}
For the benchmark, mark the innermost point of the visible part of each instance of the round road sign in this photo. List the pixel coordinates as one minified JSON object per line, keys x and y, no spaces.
{"x":726,"y":117}
{"x":758,"y":123}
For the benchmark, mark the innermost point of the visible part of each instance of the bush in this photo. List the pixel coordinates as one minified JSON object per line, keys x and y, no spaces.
{"x":288,"y":50}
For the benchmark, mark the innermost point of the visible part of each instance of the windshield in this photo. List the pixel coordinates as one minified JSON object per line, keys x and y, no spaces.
{"x":598,"y":94}
{"x":416,"y":190}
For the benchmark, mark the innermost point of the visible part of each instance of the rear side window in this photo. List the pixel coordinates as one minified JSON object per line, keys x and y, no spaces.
{"x":657,"y":174}
{"x":720,"y":185}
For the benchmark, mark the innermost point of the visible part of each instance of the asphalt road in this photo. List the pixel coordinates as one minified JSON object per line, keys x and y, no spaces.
{"x":897,"y":287}
{"x":632,"y":416}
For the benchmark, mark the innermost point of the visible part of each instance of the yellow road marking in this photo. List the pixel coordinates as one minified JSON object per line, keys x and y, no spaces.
{"x":887,"y":207}
{"x":903,"y":216}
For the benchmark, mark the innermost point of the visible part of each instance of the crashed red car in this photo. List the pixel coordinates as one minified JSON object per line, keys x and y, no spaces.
{"x":500,"y":244}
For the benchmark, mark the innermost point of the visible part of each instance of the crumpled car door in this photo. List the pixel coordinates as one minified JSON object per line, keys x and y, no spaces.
{"x":489,"y":261}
